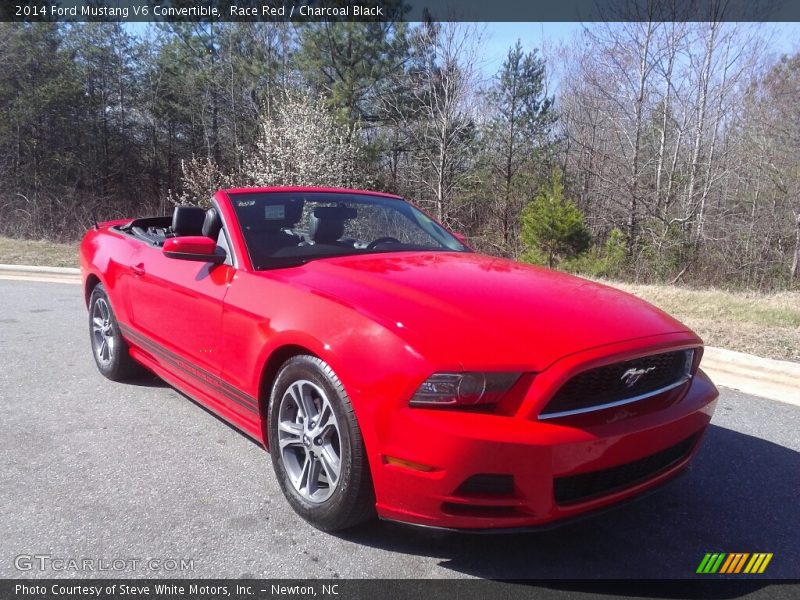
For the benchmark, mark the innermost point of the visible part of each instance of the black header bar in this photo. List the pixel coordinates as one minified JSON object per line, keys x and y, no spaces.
{"x":383,"y":589}
{"x":299,"y":11}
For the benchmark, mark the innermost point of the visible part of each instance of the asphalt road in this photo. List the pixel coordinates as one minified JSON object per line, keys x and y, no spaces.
{"x":94,"y":469}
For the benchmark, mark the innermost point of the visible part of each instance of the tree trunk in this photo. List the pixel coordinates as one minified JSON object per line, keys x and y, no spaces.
{"x":633,"y":205}
{"x":702,"y":101}
{"x":662,"y":142}
{"x":795,"y":273}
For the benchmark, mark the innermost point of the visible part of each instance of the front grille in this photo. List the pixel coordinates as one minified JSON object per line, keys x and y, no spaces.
{"x":579,"y":488}
{"x":619,"y":382}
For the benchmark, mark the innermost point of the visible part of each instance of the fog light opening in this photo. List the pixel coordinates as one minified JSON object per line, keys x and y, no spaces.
{"x":487,"y":483}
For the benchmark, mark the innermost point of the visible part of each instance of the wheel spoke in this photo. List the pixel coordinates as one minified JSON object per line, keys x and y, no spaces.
{"x":327,"y":420}
{"x":98,"y":323}
{"x":296,"y":392}
{"x":313,"y":476}
{"x":301,"y":483}
{"x":295,"y":395}
{"x":290,"y":443}
{"x":294,"y":429}
{"x":290,"y":434}
{"x":309,"y":410}
{"x":330,"y":467}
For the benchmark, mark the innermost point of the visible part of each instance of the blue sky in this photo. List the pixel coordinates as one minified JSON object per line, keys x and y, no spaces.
{"x":500,"y":36}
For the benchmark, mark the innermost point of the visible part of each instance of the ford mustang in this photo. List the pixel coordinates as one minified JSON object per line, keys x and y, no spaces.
{"x":390,"y":370}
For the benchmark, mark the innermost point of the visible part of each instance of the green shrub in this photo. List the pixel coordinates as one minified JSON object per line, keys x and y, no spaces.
{"x":553,"y":228}
{"x":608,"y":261}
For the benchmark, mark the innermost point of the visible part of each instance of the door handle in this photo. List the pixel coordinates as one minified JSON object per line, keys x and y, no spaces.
{"x":138,"y":269}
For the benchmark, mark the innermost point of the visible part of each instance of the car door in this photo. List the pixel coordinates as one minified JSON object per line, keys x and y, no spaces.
{"x":124,"y":253}
{"x":177,"y":306}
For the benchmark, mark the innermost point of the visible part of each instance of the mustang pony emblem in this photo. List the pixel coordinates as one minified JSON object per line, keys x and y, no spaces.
{"x":631,"y":376}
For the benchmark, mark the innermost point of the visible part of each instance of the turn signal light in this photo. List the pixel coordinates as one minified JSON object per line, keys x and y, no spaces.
{"x":408,"y":464}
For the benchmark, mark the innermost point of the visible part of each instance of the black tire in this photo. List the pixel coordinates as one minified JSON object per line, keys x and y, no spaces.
{"x":352,"y":499}
{"x":116,"y":364}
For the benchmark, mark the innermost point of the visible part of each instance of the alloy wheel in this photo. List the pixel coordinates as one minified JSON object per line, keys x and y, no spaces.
{"x":309,"y":441}
{"x":102,"y":332}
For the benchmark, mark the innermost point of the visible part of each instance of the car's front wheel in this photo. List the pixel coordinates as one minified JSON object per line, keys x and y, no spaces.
{"x":108,"y":347}
{"x":316,"y":446}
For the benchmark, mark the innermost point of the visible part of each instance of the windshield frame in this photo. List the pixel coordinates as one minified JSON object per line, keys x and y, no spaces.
{"x":417,"y":217}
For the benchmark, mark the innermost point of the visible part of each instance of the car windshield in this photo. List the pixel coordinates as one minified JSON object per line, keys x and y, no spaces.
{"x":289,"y":228}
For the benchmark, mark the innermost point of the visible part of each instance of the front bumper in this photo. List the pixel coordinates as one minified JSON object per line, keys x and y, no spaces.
{"x":438,"y":451}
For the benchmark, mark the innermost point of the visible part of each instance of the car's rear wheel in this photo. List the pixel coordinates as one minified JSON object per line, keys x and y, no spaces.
{"x":108,"y":347}
{"x":316,"y":446}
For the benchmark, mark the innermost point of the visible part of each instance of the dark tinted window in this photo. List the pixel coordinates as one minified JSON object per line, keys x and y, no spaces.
{"x":285,"y":228}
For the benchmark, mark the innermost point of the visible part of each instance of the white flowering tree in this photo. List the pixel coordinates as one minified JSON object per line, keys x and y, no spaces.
{"x":301,"y":144}
{"x":201,"y":178}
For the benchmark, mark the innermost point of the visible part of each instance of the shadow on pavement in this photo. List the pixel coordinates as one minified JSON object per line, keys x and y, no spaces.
{"x":147,"y":379}
{"x":740,"y":496}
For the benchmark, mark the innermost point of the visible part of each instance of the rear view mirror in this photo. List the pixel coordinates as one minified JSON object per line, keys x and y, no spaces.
{"x":194,"y":247}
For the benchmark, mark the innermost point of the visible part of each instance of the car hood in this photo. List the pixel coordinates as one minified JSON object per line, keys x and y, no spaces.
{"x":482,"y":310}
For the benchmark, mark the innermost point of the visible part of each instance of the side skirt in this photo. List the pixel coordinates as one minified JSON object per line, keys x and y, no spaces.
{"x":203,"y":387}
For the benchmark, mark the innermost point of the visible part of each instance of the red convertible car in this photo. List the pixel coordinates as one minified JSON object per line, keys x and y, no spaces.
{"x":391,"y":370}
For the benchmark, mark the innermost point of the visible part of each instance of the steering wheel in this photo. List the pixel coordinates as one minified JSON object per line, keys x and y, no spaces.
{"x":382,"y":240}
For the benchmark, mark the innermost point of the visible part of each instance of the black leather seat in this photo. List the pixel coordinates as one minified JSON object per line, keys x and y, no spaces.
{"x":326,"y":224}
{"x":326,"y":231}
{"x":270,"y":241}
{"x":212,"y":224}
{"x":188,"y":220}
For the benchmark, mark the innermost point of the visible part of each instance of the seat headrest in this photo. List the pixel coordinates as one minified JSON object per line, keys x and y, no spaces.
{"x":325,"y":231}
{"x":188,"y":220}
{"x":326,"y":224}
{"x":294,"y":212}
{"x":212,"y":224}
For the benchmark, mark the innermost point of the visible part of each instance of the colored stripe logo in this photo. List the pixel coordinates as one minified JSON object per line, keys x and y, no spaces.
{"x":734,"y":563}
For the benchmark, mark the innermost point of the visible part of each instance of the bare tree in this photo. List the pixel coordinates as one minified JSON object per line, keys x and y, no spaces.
{"x":431,"y":106}
{"x":516,"y":143}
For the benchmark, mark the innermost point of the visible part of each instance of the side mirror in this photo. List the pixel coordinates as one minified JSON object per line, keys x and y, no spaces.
{"x":194,"y":247}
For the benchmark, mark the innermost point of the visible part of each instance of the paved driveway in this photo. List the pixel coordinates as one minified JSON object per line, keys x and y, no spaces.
{"x":93,"y":469}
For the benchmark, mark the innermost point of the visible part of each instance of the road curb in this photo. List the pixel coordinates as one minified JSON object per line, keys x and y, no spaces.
{"x":41,"y":274}
{"x":765,"y":377}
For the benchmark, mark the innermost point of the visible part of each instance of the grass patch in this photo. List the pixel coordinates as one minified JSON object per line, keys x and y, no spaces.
{"x":766,"y":325}
{"x":38,"y":252}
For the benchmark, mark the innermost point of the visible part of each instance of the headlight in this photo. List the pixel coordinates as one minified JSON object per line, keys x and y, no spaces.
{"x":463,"y":389}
